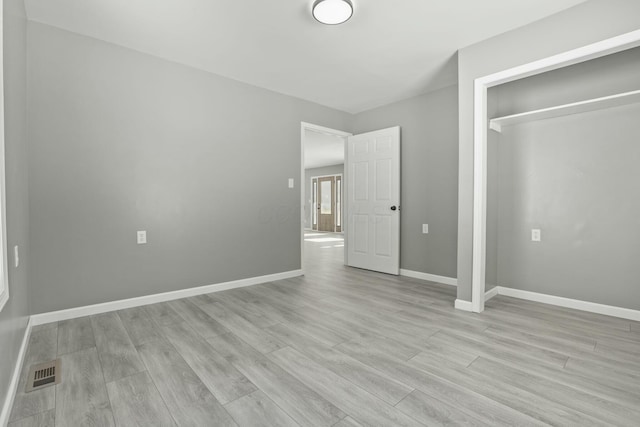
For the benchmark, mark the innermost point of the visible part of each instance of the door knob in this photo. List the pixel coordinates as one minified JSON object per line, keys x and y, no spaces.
{"x":393,"y":208}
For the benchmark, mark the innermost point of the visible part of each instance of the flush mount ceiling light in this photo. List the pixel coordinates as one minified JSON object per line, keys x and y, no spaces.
{"x":332,"y":12}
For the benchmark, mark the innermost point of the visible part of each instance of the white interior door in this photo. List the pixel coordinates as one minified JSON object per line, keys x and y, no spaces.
{"x":372,"y":164}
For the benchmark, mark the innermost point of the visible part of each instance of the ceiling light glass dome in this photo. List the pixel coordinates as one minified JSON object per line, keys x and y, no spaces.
{"x":332,"y":12}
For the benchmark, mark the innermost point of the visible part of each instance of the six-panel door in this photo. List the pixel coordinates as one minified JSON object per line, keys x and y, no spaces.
{"x":373,"y":191}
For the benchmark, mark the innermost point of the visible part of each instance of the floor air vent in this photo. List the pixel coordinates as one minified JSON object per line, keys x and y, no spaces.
{"x":44,"y":374}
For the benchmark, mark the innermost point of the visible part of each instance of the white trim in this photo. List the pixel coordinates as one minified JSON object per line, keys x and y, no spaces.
{"x":15,"y":378}
{"x":72,"y":313}
{"x":325,"y":130}
{"x":463,"y":305}
{"x":4,"y":297}
{"x":4,"y":264}
{"x":585,"y":53}
{"x":478,"y":277}
{"x":345,"y":201}
{"x":304,"y":126}
{"x":491,"y":293}
{"x":313,"y":201}
{"x":592,"y":51}
{"x":451,"y":281}
{"x":592,"y":307}
{"x":327,"y":176}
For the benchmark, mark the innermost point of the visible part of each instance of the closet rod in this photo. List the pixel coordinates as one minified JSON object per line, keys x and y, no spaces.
{"x":616,"y":100}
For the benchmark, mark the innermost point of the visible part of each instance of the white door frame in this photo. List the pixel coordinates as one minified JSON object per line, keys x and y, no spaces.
{"x":4,"y":262}
{"x":335,"y":222}
{"x":480,"y":125}
{"x":315,"y":128}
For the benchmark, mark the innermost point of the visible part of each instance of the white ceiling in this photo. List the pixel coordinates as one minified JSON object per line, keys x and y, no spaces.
{"x":389,"y":50}
{"x":322,"y":149}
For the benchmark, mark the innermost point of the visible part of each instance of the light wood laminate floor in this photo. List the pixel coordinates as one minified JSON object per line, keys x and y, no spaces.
{"x":338,"y":347}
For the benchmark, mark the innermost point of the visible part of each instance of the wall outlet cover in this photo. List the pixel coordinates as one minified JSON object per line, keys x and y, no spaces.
{"x":142,"y":237}
{"x":425,"y":228}
{"x":536,"y":235}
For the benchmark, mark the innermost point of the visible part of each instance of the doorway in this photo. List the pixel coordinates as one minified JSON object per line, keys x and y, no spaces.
{"x":326,"y":203}
{"x":369,"y":213}
{"x":322,"y":193}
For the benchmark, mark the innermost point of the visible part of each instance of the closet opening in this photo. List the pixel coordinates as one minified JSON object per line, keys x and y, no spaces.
{"x":532,"y":143}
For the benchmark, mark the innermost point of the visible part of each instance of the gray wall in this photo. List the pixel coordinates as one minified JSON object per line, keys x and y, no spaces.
{"x":577,"y":179}
{"x":121,"y":141}
{"x":14,"y":316}
{"x":308,"y":174}
{"x":429,"y":148}
{"x":586,"y":23}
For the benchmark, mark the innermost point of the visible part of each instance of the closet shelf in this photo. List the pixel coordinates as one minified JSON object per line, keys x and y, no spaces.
{"x":567,"y":109}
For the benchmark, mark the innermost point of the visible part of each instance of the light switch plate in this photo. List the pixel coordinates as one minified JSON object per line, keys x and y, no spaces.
{"x":536,"y":235}
{"x":16,"y":256}
{"x":142,"y":237}
{"x":425,"y":228}
{"x":291,"y":182}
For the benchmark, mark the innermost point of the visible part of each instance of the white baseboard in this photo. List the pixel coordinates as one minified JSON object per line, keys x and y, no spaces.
{"x":72,"y":313}
{"x":463,"y":305}
{"x":592,"y":307}
{"x":15,"y":378}
{"x":451,"y":281}
{"x":491,"y":293}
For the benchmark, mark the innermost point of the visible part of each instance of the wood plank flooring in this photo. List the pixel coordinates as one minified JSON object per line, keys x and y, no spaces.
{"x":338,"y":347}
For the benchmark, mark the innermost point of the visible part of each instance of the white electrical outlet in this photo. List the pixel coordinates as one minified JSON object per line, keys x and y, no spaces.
{"x":16,"y":256}
{"x":291,"y":182}
{"x":536,"y":235}
{"x":142,"y":237}
{"x":425,"y":228}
